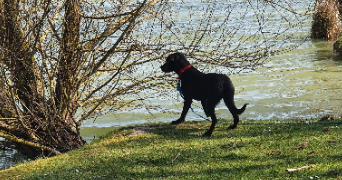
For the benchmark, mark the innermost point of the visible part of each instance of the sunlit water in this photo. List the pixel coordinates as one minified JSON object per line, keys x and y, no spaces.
{"x":304,"y":83}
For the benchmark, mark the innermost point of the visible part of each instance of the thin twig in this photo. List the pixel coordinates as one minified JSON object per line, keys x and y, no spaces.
{"x":173,"y":160}
{"x":301,"y":168}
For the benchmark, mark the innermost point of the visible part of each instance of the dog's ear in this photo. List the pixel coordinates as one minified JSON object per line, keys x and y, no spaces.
{"x":170,"y":58}
{"x":180,"y":56}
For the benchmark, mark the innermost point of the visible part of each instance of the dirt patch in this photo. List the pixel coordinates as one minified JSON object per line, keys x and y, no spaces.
{"x":140,"y":130}
{"x":137,"y":133}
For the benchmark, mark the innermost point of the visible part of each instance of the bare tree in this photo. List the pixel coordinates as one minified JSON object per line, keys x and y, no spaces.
{"x":63,"y":62}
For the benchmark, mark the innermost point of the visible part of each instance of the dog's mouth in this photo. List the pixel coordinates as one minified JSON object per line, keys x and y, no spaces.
{"x":164,"y":69}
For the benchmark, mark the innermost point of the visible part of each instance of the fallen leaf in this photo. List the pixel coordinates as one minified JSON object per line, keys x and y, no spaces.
{"x":331,"y":141}
{"x":334,"y":173}
{"x":302,"y":145}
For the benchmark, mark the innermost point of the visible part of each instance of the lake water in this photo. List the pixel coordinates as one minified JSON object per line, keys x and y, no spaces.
{"x":303,"y":83}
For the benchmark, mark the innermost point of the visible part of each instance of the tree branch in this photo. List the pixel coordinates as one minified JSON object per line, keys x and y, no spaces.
{"x":13,"y":138}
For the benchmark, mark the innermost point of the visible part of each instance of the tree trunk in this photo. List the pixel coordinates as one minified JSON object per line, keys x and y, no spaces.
{"x":66,"y":78}
{"x":46,"y":125}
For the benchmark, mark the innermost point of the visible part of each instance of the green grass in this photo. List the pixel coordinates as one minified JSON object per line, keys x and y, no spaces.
{"x":161,"y":151}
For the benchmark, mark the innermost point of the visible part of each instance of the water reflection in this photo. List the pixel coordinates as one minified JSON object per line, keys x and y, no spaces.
{"x":9,"y":156}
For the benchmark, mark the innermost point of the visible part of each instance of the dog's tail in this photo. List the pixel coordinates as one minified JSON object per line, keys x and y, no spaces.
{"x":232,"y":108}
{"x":240,"y":111}
{"x":229,"y":101}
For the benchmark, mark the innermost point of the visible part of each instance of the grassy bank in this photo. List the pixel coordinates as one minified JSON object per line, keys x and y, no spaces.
{"x":161,"y":151}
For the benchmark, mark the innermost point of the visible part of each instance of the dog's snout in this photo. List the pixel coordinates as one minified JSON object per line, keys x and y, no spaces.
{"x":165,"y":67}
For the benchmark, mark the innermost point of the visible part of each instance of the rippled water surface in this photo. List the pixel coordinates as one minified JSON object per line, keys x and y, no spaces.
{"x":304,"y":83}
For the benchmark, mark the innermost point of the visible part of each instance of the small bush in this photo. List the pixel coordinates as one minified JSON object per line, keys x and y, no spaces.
{"x":338,"y":45}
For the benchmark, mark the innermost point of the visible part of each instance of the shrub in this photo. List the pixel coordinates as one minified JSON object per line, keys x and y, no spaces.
{"x":326,"y":21}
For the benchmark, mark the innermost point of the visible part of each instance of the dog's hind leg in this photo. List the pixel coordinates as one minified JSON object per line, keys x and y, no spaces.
{"x":229,"y":101}
{"x":205,"y":107}
{"x":209,"y":109}
{"x":236,"y":121}
{"x":187,"y":104}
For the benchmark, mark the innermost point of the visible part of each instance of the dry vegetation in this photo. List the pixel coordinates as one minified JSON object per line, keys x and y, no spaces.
{"x":326,"y":21}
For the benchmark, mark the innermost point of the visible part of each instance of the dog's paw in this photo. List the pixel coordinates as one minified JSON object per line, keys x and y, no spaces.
{"x":177,"y":122}
{"x":231,"y":127}
{"x":207,"y":134}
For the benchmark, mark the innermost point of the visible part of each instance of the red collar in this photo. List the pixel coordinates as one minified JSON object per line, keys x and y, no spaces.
{"x":182,"y":70}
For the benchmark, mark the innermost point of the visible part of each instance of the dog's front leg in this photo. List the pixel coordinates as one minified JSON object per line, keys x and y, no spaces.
{"x":212,"y":127}
{"x":187,"y":104}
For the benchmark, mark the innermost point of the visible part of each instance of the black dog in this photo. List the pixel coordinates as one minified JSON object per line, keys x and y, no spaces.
{"x":207,"y":88}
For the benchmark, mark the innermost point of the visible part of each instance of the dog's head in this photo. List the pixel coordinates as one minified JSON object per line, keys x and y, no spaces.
{"x":175,"y":62}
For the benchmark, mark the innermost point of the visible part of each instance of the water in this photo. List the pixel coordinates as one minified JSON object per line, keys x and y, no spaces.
{"x":9,"y":156}
{"x":303,"y":83}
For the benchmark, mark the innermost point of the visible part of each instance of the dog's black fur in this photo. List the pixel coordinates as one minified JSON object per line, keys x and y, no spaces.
{"x":207,"y":88}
